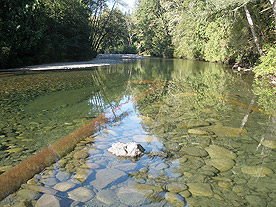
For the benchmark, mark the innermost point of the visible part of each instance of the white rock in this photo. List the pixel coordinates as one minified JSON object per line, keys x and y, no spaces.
{"x":130,"y":149}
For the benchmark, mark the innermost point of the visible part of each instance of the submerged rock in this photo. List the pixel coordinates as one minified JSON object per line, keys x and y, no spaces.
{"x":222,"y":165}
{"x":130,"y":149}
{"x":175,"y":199}
{"x":200,"y":189}
{"x":81,"y":194}
{"x":223,"y":131}
{"x":269,"y":144}
{"x":47,"y":201}
{"x":257,"y":171}
{"x":216,"y":151}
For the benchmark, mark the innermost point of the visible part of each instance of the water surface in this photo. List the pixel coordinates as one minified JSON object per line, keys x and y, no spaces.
{"x":207,"y":142}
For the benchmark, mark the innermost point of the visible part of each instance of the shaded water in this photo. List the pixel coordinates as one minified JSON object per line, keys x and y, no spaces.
{"x":206,"y":142}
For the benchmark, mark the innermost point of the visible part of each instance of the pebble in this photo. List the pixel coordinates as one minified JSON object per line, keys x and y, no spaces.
{"x":224,"y":184}
{"x":222,"y":165}
{"x":14,"y":150}
{"x":200,"y":189}
{"x":257,"y":171}
{"x":81,"y":194}
{"x":197,"y":132}
{"x":62,"y":175}
{"x":269,"y":144}
{"x":5,"y":168}
{"x":194,"y":151}
{"x":81,"y":154}
{"x":224,"y":131}
{"x":216,"y":151}
{"x":175,"y":199}
{"x":238,"y":189}
{"x":49,"y":181}
{"x":64,"y":186}
{"x":82,"y":174}
{"x":47,"y":201}
{"x":106,"y":196}
{"x":105,"y":177}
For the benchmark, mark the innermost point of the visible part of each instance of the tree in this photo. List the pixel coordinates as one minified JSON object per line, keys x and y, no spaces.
{"x":152,"y":29}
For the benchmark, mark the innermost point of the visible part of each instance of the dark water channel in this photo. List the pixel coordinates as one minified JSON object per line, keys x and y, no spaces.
{"x":207,"y":141}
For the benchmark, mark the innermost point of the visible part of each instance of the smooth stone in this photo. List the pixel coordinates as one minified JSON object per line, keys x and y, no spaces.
{"x":27,"y":194}
{"x":224,"y":131}
{"x":176,"y":187}
{"x":64,"y":186}
{"x":47,"y":201}
{"x":147,"y":187}
{"x":224,"y":184}
{"x":197,"y":132}
{"x":81,"y":154}
{"x":175,"y":199}
{"x":49,"y":181}
{"x":222,"y":179}
{"x":238,"y":189}
{"x":256,"y":171}
{"x":222,"y":165}
{"x":41,"y":189}
{"x":82,"y":174}
{"x":62,"y":176}
{"x":14,"y":150}
{"x":200,"y":189}
{"x":130,"y":196}
{"x":193,"y":124}
{"x":194,"y":151}
{"x":106,"y":196}
{"x":216,"y":151}
{"x":185,"y":194}
{"x":105,"y":177}
{"x":126,"y":166}
{"x":269,"y":144}
{"x":81,"y":194}
{"x":255,"y":200}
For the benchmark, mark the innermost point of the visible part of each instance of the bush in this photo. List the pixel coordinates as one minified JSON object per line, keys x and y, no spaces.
{"x":267,"y":64}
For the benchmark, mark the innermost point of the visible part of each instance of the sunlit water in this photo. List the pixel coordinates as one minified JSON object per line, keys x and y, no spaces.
{"x":207,"y":142}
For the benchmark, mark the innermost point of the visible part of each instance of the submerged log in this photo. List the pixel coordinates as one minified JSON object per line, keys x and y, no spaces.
{"x":11,"y":180}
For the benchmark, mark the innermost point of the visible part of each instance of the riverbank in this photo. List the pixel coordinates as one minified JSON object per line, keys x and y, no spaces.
{"x":100,"y":60}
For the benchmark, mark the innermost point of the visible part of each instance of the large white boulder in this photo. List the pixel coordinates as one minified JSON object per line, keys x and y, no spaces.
{"x":130,"y":149}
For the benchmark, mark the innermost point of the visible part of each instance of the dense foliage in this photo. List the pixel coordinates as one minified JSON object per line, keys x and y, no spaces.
{"x":42,"y":31}
{"x":207,"y":30}
{"x":39,"y":31}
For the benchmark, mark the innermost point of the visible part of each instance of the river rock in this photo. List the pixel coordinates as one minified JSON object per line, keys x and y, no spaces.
{"x":269,"y":144}
{"x":224,"y":131}
{"x":216,"y":151}
{"x":62,"y":175}
{"x":193,"y":124}
{"x":200,"y":189}
{"x":197,"y":132}
{"x":81,"y":154}
{"x":14,"y":150}
{"x":222,"y":165}
{"x":47,"y":201}
{"x":256,"y":171}
{"x":105,"y":177}
{"x":5,"y":168}
{"x":27,"y":194}
{"x":64,"y":186}
{"x":254,"y":200}
{"x":131,"y":197}
{"x":194,"y":151}
{"x":81,"y":194}
{"x":106,"y":196}
{"x":130,"y":149}
{"x":175,"y":199}
{"x":176,"y":187}
{"x":82,"y":174}
{"x":49,"y":181}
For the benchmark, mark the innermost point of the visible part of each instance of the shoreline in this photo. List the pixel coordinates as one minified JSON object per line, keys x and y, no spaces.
{"x":100,"y":60}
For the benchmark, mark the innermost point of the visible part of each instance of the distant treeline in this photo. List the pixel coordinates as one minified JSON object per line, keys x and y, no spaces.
{"x":43,"y":31}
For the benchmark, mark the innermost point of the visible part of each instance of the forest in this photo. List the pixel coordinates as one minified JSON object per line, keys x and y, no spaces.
{"x":230,"y":31}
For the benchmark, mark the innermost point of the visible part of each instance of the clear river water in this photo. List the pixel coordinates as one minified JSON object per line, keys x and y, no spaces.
{"x":207,"y":141}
